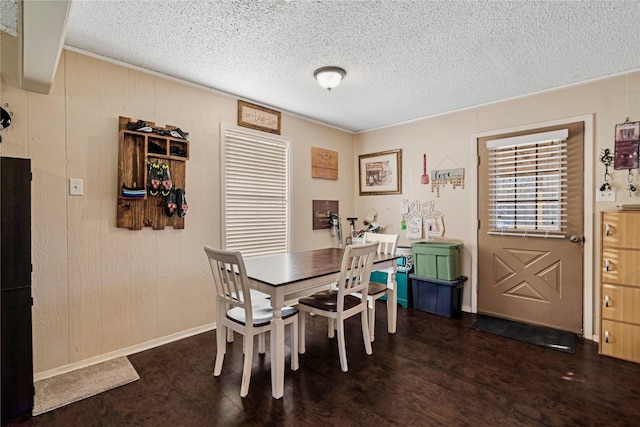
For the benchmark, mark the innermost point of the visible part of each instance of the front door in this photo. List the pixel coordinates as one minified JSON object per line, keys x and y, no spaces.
{"x":530,"y":270}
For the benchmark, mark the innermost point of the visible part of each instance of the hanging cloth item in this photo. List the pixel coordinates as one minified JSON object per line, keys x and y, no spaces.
{"x":371,"y":217}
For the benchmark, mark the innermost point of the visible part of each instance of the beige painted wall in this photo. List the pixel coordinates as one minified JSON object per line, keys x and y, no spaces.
{"x":98,"y":289}
{"x":448,"y":141}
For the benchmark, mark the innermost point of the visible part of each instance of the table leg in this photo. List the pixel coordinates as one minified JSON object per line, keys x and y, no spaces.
{"x":392,"y":304}
{"x":277,"y":351}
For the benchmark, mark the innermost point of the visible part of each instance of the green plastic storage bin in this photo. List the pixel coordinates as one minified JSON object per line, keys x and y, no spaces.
{"x":437,"y":260}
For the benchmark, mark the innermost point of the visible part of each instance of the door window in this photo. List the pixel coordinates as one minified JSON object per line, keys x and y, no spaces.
{"x":527,"y":178}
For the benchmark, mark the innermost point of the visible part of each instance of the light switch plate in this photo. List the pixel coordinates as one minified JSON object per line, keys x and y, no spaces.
{"x":75,"y":187}
{"x":606,"y":196}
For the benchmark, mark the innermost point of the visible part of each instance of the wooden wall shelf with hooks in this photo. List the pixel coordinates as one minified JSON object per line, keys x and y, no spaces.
{"x":135,"y":151}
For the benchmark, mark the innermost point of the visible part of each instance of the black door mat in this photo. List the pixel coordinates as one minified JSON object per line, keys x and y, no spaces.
{"x":538,"y":335}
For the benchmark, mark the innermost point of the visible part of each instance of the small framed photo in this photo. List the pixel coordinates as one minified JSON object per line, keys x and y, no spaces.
{"x":434,"y":226}
{"x":626,"y":145}
{"x":381,"y":173}
{"x":258,"y":117}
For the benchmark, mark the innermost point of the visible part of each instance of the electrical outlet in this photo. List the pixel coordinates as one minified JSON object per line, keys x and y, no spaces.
{"x":75,"y":187}
{"x":606,"y":196}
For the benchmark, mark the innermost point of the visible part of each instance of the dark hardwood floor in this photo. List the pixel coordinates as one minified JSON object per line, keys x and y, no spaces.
{"x":433,"y":371}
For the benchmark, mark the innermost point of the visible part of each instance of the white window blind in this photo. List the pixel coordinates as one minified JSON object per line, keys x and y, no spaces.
{"x":528,"y":184}
{"x":255,"y":192}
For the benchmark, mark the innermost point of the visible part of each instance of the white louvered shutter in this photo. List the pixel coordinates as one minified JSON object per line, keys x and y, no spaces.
{"x":255,"y":192}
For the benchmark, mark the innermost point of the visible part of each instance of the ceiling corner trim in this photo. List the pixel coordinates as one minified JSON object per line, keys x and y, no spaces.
{"x":42,"y":32}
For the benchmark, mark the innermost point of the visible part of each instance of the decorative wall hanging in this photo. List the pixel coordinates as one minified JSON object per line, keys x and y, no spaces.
{"x":322,"y":213}
{"x":324,"y":163}
{"x":422,"y":214}
{"x":607,"y":159}
{"x":381,"y":173}
{"x":442,"y":177}
{"x":626,"y":145}
{"x":258,"y":117}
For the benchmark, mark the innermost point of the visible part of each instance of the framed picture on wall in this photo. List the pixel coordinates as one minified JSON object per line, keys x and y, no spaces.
{"x":381,"y":173}
{"x":434,"y":226}
{"x":322,"y":213}
{"x":626,"y":145}
{"x":257,"y":117}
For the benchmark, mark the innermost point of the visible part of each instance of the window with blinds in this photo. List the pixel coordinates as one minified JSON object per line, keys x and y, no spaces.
{"x":255,"y":192}
{"x":528,"y":184}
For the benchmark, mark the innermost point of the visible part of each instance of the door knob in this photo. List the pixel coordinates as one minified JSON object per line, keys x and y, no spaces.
{"x":576,"y":239}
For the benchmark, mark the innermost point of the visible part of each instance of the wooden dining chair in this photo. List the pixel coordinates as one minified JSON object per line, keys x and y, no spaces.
{"x":339,"y":304}
{"x":236,"y":310}
{"x":387,"y":244}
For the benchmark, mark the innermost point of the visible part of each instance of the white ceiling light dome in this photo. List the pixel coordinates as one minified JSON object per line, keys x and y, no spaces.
{"x":329,"y":77}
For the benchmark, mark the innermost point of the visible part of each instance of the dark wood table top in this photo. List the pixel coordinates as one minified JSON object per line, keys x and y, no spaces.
{"x":282,"y":269}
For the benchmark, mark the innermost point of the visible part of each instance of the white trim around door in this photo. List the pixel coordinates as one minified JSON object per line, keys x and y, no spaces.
{"x":589,"y":234}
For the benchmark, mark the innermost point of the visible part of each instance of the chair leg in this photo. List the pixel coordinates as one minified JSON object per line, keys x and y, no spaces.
{"x":221,"y":332}
{"x":229,"y":331}
{"x":302,"y":318}
{"x":331,"y":324}
{"x":261,"y":343}
{"x":342,"y":349}
{"x":248,"y":364}
{"x":294,"y":345}
{"x":372,"y":318}
{"x":365,"y":332}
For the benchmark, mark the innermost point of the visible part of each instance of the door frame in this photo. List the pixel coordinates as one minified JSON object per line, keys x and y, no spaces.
{"x":588,"y":260}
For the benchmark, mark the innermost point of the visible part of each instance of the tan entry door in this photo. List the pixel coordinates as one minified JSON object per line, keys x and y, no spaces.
{"x":527,"y":272}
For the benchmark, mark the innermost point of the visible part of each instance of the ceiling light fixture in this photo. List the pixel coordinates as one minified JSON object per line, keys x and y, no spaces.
{"x":329,"y":77}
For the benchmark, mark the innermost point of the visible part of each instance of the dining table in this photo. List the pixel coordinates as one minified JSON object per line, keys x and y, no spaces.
{"x":286,"y":277}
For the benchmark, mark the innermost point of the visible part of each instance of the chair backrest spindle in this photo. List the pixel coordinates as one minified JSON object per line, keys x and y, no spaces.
{"x":231,"y":281}
{"x":355,"y":271}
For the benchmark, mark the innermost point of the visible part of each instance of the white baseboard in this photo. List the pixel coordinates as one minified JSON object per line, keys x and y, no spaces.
{"x":124,"y":351}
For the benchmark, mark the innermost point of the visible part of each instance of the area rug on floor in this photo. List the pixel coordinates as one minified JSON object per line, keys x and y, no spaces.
{"x":538,"y":335}
{"x":54,"y":392}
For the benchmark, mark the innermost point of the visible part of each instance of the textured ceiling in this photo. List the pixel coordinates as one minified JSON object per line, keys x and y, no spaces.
{"x":404,"y":59}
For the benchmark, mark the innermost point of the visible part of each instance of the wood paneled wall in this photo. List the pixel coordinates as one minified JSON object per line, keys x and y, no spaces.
{"x":99,"y":289}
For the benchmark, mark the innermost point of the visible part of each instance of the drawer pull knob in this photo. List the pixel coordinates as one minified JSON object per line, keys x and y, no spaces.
{"x":606,"y":265}
{"x":606,"y":300}
{"x":606,"y":336}
{"x":607,"y":230}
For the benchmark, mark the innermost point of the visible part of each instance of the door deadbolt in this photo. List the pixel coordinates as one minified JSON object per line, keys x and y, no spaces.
{"x":576,"y":239}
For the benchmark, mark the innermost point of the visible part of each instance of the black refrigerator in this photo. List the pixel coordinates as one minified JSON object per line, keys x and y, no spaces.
{"x":15,"y":295}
